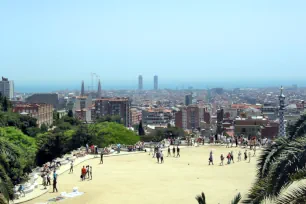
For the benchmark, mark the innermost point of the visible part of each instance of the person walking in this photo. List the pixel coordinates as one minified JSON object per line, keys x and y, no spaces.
{"x":211,"y":160}
{"x":173,"y":151}
{"x":157,"y":156}
{"x":71,"y":167}
{"x":232,"y":157}
{"x":169,"y":152}
{"x":178,"y":151}
{"x":239,"y":155}
{"x":254,"y":149}
{"x":90,"y":172}
{"x":161,"y":157}
{"x":236,"y":141}
{"x":228,"y":158}
{"x":245,"y":155}
{"x":55,"y":185}
{"x":101,"y":156}
{"x":45,"y":181}
{"x":87,"y":171}
{"x":48,"y":180}
{"x":83,"y":173}
{"x":222,"y":159}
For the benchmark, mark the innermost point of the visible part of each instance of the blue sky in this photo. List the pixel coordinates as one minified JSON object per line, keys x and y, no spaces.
{"x":183,"y":42}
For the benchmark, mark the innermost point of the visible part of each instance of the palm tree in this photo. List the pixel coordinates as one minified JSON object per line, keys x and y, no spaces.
{"x":202,"y":200}
{"x":4,"y":195}
{"x":279,"y":166}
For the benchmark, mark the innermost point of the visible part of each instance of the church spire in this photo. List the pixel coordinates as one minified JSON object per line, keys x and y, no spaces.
{"x":99,"y":94}
{"x":282,"y":127}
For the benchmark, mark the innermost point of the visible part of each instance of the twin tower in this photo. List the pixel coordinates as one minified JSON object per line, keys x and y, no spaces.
{"x":140,"y":82}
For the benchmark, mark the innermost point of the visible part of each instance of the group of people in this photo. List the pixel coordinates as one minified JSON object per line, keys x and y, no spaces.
{"x":230,"y":157}
{"x":86,"y":173}
{"x":158,"y":153}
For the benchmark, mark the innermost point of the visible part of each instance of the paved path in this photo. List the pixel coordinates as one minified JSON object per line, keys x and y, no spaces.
{"x":40,"y":189}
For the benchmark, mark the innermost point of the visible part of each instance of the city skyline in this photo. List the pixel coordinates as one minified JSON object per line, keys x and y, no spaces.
{"x":179,"y":41}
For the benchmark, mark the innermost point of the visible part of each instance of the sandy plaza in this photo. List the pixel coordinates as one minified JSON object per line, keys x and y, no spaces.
{"x":138,"y":178}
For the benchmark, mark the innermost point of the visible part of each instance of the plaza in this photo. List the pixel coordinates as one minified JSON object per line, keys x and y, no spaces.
{"x":137,"y":178}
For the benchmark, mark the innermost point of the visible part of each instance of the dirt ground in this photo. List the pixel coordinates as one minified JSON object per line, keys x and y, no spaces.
{"x":139,"y":179}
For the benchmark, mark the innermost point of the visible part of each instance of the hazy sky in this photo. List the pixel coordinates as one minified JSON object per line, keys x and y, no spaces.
{"x":63,"y":41}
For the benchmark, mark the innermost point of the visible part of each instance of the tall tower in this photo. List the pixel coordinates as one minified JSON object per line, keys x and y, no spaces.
{"x":82,"y":89}
{"x":282,"y":128}
{"x":140,"y":83}
{"x":99,"y":94}
{"x":155,"y":82}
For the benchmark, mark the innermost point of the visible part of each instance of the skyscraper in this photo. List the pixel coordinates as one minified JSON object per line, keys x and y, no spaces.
{"x":99,"y":94}
{"x":188,"y":99}
{"x":155,"y":82}
{"x":140,"y":83}
{"x":7,"y":88}
{"x":82,"y":89}
{"x":282,"y":128}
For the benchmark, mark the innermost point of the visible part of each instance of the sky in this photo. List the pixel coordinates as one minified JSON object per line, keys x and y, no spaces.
{"x":56,"y":43}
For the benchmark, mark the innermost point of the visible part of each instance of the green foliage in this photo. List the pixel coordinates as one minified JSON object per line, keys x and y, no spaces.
{"x":107,"y":133}
{"x":70,"y":114}
{"x":236,"y":199}
{"x":44,"y":128}
{"x":110,"y":118}
{"x":164,"y":133}
{"x":280,"y":165}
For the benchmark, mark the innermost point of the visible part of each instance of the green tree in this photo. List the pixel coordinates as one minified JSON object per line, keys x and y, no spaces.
{"x":44,"y":128}
{"x":202,"y":199}
{"x":70,"y":114}
{"x":280,"y":165}
{"x":141,"y":131}
{"x":5,"y":105}
{"x":81,"y":137}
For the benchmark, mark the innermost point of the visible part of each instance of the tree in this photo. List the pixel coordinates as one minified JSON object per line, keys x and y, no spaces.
{"x":280,"y":165}
{"x":141,"y":131}
{"x":4,"y":194}
{"x":44,"y":128}
{"x":5,"y":105}
{"x":202,"y":199}
{"x":70,"y":114}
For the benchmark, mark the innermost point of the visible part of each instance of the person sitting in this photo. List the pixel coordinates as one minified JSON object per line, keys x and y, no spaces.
{"x":21,"y":190}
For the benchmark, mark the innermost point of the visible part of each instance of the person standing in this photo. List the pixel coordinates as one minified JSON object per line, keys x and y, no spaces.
{"x":169,"y":151}
{"x":245,"y":155}
{"x":236,"y":141}
{"x":48,"y":180}
{"x":87,"y":148}
{"x":239,"y":155}
{"x":254,"y":149}
{"x":211,"y":160}
{"x":45,"y":181}
{"x":228,"y":158}
{"x":83,"y":173}
{"x":161,"y":157}
{"x":222,"y":159}
{"x":55,"y":185}
{"x":54,"y":175}
{"x":101,"y":156}
{"x":157,"y":156}
{"x":249,"y":156}
{"x":87,"y":171}
{"x":178,"y":151}
{"x":232,"y":157}
{"x":90,"y":172}
{"x":173,"y":151}
{"x":71,"y":167}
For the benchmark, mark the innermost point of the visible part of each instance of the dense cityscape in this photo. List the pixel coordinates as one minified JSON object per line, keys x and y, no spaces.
{"x":184,"y":102}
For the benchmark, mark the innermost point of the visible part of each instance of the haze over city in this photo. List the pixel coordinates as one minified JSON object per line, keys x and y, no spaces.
{"x":165,"y":101}
{"x":194,"y":43}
